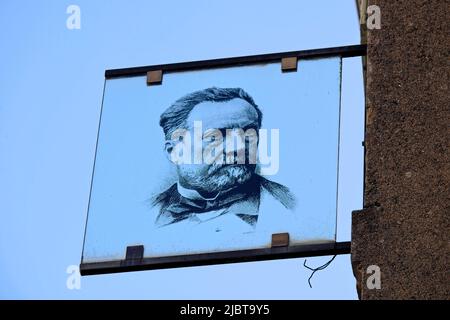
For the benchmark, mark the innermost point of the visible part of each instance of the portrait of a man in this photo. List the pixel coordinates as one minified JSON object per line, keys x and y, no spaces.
{"x":225,"y":191}
{"x":213,"y":160}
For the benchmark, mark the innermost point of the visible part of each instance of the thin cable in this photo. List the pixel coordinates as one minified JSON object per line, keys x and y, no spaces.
{"x":314,"y":270}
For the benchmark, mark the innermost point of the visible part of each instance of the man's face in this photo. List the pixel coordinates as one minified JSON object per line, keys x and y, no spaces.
{"x":214,"y":177}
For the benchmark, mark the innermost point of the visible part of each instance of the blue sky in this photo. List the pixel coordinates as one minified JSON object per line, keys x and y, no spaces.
{"x":51,"y":82}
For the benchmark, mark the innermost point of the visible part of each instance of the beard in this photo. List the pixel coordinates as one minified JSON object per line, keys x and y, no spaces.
{"x":227,"y":176}
{"x":222,"y":177}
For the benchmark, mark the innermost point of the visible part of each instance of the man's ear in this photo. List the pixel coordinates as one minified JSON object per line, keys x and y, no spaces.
{"x":168,"y":148}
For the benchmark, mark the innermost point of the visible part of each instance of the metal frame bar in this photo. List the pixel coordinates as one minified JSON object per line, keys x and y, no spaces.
{"x":311,"y":250}
{"x":298,"y":251}
{"x":344,"y":52}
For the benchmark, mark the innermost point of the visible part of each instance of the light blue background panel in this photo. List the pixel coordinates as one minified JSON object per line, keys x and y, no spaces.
{"x":131,"y":165}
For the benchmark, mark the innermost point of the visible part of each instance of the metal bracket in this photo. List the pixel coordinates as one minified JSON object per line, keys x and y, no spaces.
{"x":343,"y":52}
{"x":133,"y":256}
{"x":201,"y":259}
{"x":280,"y":240}
{"x":289,"y":64}
{"x":154,"y":77}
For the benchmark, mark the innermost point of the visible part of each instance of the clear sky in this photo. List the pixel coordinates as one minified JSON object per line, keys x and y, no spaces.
{"x":51,"y":82}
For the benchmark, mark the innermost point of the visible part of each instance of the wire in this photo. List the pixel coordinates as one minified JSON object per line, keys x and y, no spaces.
{"x":314,"y":270}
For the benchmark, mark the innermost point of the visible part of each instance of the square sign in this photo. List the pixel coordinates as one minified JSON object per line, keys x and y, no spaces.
{"x":215,"y":161}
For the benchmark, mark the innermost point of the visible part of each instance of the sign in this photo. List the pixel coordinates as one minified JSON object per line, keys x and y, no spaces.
{"x":209,"y":162}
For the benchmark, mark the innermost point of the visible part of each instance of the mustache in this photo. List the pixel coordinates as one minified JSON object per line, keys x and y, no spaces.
{"x":214,"y":168}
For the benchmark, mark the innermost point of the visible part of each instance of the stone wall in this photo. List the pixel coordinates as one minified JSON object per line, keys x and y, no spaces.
{"x":405,"y":224}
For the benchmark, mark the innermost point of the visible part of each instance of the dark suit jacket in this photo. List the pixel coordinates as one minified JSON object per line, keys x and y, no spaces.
{"x":174,"y":207}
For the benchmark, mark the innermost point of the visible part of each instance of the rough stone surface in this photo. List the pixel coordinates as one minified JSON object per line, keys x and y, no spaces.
{"x":405,"y":224}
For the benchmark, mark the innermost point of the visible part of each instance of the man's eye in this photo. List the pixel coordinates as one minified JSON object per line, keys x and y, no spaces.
{"x":209,"y":138}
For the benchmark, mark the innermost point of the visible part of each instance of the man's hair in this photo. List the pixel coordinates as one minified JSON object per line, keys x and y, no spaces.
{"x":175,"y":116}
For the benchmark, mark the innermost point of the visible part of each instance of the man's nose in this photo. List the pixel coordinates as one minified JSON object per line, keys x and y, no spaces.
{"x":234,"y":149}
